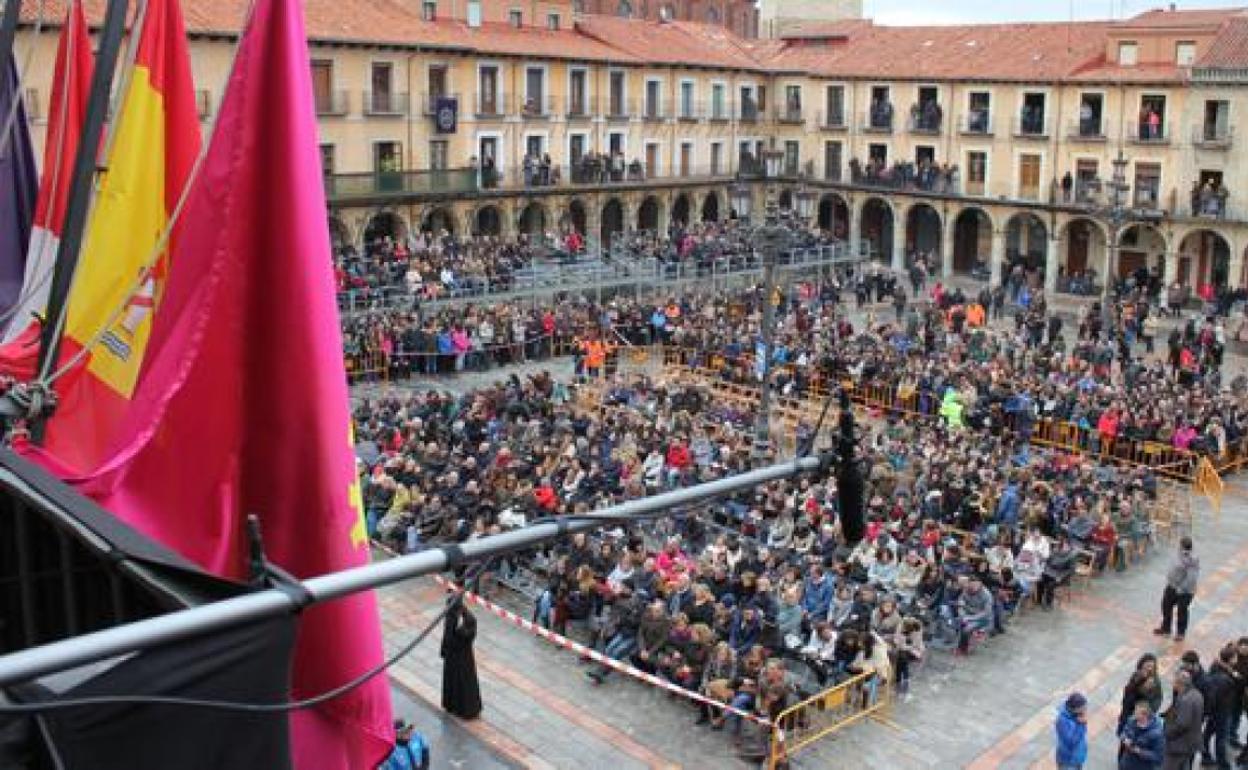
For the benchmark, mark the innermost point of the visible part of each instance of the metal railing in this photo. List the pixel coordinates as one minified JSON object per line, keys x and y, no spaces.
{"x":833,"y":120}
{"x":580,"y":107}
{"x":345,"y":187}
{"x":488,"y":106}
{"x":1143,"y":133}
{"x":1031,"y":127}
{"x":748,"y":112}
{"x":385,"y":103}
{"x":690,"y":110}
{"x":790,"y":113}
{"x":620,"y":109}
{"x":333,"y":103}
{"x":877,"y":121}
{"x":429,"y":102}
{"x":719,"y":112}
{"x":537,"y":107}
{"x":653,"y":109}
{"x":810,"y":721}
{"x":922,"y":123}
{"x":976,"y":124}
{"x":1209,"y":137}
{"x":1086,"y":131}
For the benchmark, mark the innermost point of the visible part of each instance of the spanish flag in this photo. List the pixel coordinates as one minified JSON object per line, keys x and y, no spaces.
{"x":117,"y":284}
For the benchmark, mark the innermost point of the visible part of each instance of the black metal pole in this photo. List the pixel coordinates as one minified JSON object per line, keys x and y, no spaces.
{"x":8,"y":29}
{"x":80,"y":189}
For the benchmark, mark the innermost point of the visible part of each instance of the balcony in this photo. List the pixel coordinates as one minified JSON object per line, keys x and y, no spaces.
{"x":1086,"y":131}
{"x":1210,"y":137}
{"x":429,"y":102}
{"x":491,"y":106}
{"x":976,"y":123}
{"x":653,"y":110}
{"x":332,"y":104}
{"x":385,"y":104}
{"x":833,"y":120}
{"x":619,"y":108}
{"x":719,"y":112}
{"x":1031,"y":127}
{"x":1143,"y":133}
{"x":925,"y":121}
{"x":348,"y":187}
{"x":579,"y":107}
{"x":537,"y":108}
{"x":790,"y":114}
{"x":748,"y":113}
{"x":690,"y":112}
{"x":879,"y":120}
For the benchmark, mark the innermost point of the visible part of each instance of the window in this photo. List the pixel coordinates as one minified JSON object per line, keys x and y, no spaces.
{"x":792,"y":103}
{"x":387,"y":157}
{"x":439,"y":155}
{"x":1147,"y":185}
{"x":474,"y":14}
{"x":976,"y":173}
{"x":576,"y":93}
{"x":667,"y":12}
{"x":515,"y":18}
{"x":880,"y":116}
{"x":654,"y":99}
{"x":1185,"y":53}
{"x":1031,"y":116}
{"x":552,"y":22}
{"x":749,"y":106}
{"x":383,"y":99}
{"x":712,"y":15}
{"x":1128,"y":53}
{"x":1029,"y":176}
{"x":534,"y":145}
{"x":1216,"y":127}
{"x":487,"y":90}
{"x":1091,"y":107}
{"x":686,"y":99}
{"x":717,"y":158}
{"x":534,"y":91}
{"x":832,"y":161}
{"x":878,"y":154}
{"x":327,"y":159}
{"x":761,"y":98}
{"x":926,"y":114}
{"x":979,"y":113}
{"x":924,"y":154}
{"x":618,"y":108}
{"x":652,"y":159}
{"x":1152,"y":127}
{"x":834,"y":106}
{"x":686,"y":159}
{"x":578,"y":6}
{"x":792,"y":157}
{"x":718,"y":108}
{"x":435,"y":86}
{"x":1087,"y":181}
{"x":323,"y":86}
{"x":429,"y":10}
{"x":624,"y":9}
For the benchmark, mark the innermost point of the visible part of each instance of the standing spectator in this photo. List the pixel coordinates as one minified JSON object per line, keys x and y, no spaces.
{"x":1142,"y":740}
{"x":1180,"y":589}
{"x":1183,"y":724}
{"x":1072,"y":733}
{"x":461,"y":694}
{"x":410,"y":750}
{"x":1144,"y":686}
{"x":1219,"y":692}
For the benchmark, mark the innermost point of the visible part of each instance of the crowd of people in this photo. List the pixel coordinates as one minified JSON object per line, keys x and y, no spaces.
{"x":926,"y":174}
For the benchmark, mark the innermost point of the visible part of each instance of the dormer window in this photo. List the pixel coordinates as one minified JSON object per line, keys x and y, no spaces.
{"x":1185,"y":53}
{"x":1128,"y":53}
{"x":515,"y":18}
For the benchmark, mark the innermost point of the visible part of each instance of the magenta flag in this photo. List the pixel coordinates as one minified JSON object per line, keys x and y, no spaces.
{"x":241,"y":406}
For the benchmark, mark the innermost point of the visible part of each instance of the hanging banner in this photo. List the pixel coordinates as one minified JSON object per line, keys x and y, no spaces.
{"x":446,"y":114}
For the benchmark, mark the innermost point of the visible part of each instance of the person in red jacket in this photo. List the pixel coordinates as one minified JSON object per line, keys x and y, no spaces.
{"x":1104,"y":540}
{"x":545,"y":497}
{"x":678,"y":460}
{"x":1107,"y":426}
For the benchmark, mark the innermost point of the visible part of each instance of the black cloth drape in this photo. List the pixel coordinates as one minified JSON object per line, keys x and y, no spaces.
{"x":461,"y":693}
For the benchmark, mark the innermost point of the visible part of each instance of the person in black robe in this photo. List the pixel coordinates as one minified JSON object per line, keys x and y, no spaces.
{"x":461,"y":693}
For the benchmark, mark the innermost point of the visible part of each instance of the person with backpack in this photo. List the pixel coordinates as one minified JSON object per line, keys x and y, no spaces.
{"x":411,"y":751}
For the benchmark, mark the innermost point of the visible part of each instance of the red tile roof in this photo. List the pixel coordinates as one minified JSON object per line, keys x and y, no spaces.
{"x":672,"y":43}
{"x":1208,"y":18}
{"x":1229,"y":50}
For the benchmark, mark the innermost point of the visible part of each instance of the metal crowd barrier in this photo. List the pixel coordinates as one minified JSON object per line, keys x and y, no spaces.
{"x":804,"y":724}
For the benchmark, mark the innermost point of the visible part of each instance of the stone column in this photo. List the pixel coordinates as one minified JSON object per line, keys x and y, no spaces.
{"x":899,"y":241}
{"x":855,"y":228}
{"x":1171,"y":270}
{"x":997,"y":260}
{"x":1051,"y":260}
{"x":947,"y":242}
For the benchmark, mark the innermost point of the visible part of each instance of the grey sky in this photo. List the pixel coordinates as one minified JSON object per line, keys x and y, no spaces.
{"x":969,"y":11}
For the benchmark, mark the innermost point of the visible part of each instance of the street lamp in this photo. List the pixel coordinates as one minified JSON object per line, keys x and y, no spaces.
{"x":1116,"y":215}
{"x":742,"y":197}
{"x":806,"y":200}
{"x":769,"y":240}
{"x":771,"y":162}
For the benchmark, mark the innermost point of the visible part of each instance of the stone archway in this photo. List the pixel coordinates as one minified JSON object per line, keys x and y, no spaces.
{"x":385,"y":224}
{"x":680,"y":209}
{"x":710,"y":207}
{"x":1143,"y":246}
{"x":532,"y":219}
{"x":438,"y":220}
{"x":612,"y":221}
{"x":1026,"y":241}
{"x":1082,"y":249}
{"x":834,"y":215}
{"x":648,"y":214}
{"x":1204,"y":258}
{"x":877,"y":228}
{"x":576,"y":217}
{"x":785,"y":201}
{"x":339,"y":234}
{"x":972,"y":240}
{"x":923,"y":232}
{"x":488,"y":221}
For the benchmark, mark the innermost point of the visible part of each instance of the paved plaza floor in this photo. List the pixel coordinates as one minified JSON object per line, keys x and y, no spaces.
{"x":992,"y":709}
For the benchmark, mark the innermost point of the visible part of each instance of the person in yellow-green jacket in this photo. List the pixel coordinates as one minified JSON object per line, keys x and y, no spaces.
{"x":951,"y":410}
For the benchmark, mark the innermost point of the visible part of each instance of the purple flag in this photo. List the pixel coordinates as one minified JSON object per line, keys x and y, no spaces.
{"x":19,"y":188}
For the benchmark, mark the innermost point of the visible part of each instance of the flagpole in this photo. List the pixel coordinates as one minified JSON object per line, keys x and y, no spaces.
{"x":8,"y":29}
{"x":81,"y":184}
{"x":184,"y":624}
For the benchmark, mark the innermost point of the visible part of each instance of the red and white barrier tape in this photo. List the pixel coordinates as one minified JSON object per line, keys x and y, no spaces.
{"x":580,"y":649}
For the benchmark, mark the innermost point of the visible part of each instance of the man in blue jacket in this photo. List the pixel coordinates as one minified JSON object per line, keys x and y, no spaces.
{"x":1143,"y":741}
{"x":1072,"y":733}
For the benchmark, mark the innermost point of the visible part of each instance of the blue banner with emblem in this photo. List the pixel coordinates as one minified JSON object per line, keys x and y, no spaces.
{"x":446,"y":114}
